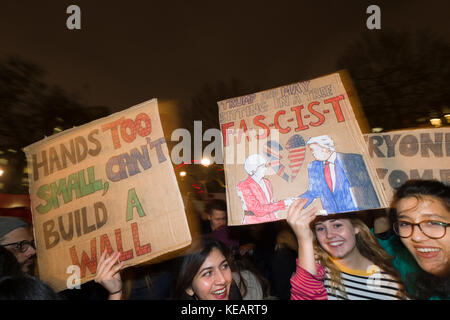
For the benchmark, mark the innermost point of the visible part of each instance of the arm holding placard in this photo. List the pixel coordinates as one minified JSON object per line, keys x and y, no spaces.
{"x":108,"y":275}
{"x":299,"y":221}
{"x":307,"y":282}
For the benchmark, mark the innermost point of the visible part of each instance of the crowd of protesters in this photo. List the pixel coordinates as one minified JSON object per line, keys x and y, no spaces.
{"x":401,"y":253}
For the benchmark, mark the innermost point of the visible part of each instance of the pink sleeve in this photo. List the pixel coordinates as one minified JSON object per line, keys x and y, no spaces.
{"x":256,"y":207}
{"x":305,"y":286}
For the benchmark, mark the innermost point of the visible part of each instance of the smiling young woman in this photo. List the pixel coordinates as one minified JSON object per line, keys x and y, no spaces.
{"x":339,"y":258}
{"x":213,"y":279}
{"x":356,"y":266}
{"x":421,"y":222}
{"x":206,"y":274}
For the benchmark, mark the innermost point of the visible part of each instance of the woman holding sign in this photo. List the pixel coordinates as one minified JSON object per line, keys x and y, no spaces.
{"x":108,"y":275}
{"x":204,"y":274}
{"x":351,"y":264}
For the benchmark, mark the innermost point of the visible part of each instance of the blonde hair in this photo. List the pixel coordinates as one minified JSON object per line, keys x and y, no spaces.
{"x":368,"y":247}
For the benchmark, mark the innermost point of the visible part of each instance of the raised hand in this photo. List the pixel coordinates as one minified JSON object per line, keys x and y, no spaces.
{"x":108,"y":274}
{"x":300,"y":219}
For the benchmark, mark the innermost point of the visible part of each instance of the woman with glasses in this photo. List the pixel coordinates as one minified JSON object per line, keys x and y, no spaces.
{"x":417,"y":236}
{"x":421,"y":221}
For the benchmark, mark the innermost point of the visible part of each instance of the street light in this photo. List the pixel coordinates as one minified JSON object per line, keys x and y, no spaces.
{"x":377,"y":130}
{"x":205,"y":161}
{"x":436,"y":122}
{"x":1,"y":172}
{"x":182,"y":173}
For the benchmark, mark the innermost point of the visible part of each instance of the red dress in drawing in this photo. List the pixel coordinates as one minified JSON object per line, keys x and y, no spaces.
{"x":257,"y":207}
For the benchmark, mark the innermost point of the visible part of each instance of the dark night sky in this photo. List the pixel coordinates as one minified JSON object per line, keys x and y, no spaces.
{"x":131,"y":51}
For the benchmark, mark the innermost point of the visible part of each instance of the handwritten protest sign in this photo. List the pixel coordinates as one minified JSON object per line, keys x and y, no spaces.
{"x":410,"y":154}
{"x":107,"y":185}
{"x":299,"y":140}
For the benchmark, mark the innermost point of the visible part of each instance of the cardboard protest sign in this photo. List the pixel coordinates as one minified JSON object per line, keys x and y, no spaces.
{"x":299,"y":140}
{"x":410,"y":154}
{"x":106,"y":185}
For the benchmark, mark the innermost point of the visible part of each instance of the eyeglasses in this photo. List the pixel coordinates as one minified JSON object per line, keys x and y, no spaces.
{"x":431,"y":228}
{"x":21,"y":246}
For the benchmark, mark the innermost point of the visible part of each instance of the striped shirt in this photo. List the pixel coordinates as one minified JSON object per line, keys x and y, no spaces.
{"x":358,"y":285}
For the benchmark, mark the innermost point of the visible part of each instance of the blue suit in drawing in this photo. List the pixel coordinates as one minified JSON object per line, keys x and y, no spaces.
{"x":353,"y":188}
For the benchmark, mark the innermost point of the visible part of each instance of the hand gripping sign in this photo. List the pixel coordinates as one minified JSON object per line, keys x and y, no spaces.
{"x":107,"y":185}
{"x":302,"y":140}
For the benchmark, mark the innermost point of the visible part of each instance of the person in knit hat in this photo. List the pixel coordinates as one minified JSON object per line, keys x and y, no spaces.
{"x":16,"y":237}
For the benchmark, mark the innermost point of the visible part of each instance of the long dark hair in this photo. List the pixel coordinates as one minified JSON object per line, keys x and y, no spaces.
{"x":425,"y":284}
{"x":420,"y":188}
{"x":190,"y":264}
{"x":9,"y":266}
{"x":25,"y":288}
{"x":429,"y":286}
{"x":242,"y":263}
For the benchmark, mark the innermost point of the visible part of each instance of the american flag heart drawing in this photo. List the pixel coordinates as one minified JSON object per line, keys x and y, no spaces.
{"x":296,"y":147}
{"x":272,"y":151}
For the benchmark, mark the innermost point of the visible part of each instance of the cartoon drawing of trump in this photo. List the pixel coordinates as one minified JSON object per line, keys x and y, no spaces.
{"x":340,"y":180}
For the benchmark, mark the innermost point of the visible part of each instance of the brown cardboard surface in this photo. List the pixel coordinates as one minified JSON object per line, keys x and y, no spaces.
{"x":106,"y":185}
{"x":273,"y":127}
{"x":410,"y":154}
